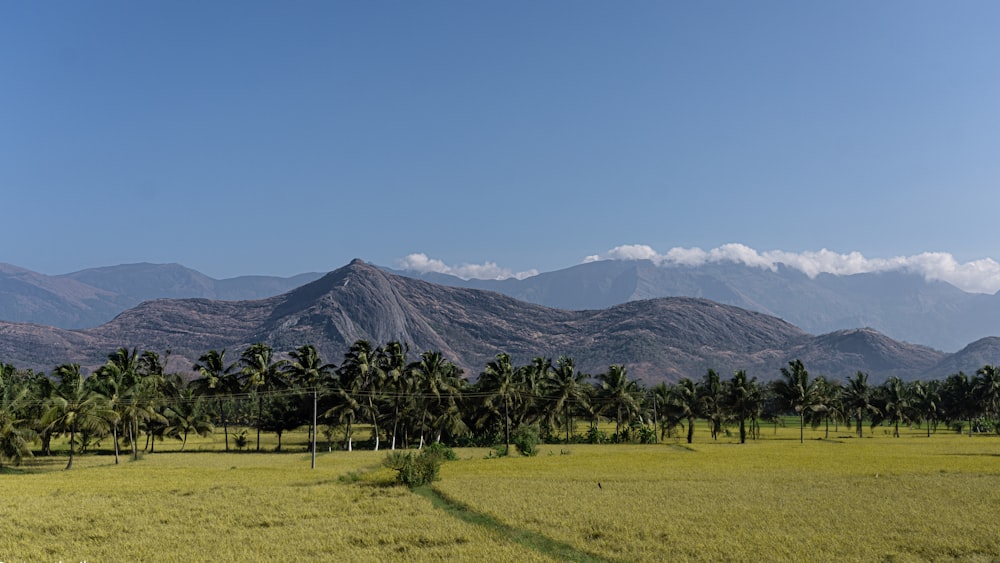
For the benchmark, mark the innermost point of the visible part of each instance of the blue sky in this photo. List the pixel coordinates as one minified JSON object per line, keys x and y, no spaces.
{"x":277,"y":138}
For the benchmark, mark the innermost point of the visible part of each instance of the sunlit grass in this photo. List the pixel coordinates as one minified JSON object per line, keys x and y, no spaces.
{"x":876,"y":498}
{"x":219,"y":507}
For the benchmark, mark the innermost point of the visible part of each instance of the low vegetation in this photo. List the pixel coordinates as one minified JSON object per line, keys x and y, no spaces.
{"x":803,"y":468}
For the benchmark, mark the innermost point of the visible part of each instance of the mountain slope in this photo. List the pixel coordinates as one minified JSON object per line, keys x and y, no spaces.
{"x":90,"y":297}
{"x":658,"y":339}
{"x":902,"y":305}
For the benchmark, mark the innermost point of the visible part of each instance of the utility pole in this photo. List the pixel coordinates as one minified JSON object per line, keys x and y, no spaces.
{"x":315,"y":401}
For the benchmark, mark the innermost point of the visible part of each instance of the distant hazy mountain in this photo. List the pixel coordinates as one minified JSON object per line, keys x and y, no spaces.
{"x":658,"y":339}
{"x":90,"y":297}
{"x":902,"y":305}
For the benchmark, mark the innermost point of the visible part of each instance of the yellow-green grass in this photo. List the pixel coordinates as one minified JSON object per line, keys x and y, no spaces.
{"x":229,"y":507}
{"x":878,"y":498}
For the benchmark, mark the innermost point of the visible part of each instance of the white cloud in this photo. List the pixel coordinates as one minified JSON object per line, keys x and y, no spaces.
{"x":421,"y":263}
{"x":979,"y":276}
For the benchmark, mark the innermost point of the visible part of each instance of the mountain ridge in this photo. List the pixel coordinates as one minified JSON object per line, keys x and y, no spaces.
{"x":658,"y":339}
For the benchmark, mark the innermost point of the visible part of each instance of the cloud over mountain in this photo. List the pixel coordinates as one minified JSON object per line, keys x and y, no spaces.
{"x":419,"y":262}
{"x":977,"y":276}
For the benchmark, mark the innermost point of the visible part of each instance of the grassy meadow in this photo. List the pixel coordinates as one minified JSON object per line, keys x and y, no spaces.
{"x":877,"y":498}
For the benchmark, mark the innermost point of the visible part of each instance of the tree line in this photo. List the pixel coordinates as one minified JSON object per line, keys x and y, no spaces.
{"x":131,"y":402}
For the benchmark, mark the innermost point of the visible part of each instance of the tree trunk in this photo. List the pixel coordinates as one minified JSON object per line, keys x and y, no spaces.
{"x":371,"y":408}
{"x":802,"y":427}
{"x":506,"y":421}
{"x":743,"y":431}
{"x":72,"y":438}
{"x":568,"y":423}
{"x":225,"y":429}
{"x":690,"y":429}
{"x":861,"y":427}
{"x":114,"y":436}
{"x":827,"y":435}
{"x":260,"y":410}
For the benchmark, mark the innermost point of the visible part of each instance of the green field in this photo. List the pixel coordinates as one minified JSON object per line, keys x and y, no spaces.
{"x":879,"y":498}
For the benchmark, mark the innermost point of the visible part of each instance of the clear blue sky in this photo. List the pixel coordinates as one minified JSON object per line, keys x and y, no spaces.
{"x":241,"y":137}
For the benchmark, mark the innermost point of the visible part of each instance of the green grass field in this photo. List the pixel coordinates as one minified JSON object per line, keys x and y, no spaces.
{"x":875,"y":499}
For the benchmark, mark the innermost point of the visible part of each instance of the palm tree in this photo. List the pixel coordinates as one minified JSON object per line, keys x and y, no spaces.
{"x":361,"y":377}
{"x":858,"y":397}
{"x":566,"y":387}
{"x":743,"y":400}
{"x":895,"y":403}
{"x":711,"y":397}
{"x":117,"y":380}
{"x":958,"y":399}
{"x":827,"y":404}
{"x":620,"y":394}
{"x":187,"y":414}
{"x":76,"y":406}
{"x":397,"y":381}
{"x":432,"y":380}
{"x":987,"y":390}
{"x":307,"y":370}
{"x":797,"y":392}
{"x":925,"y":400}
{"x":498,"y":382}
{"x":218,"y":381}
{"x":262,"y":375}
{"x":15,"y":429}
{"x":684,"y":397}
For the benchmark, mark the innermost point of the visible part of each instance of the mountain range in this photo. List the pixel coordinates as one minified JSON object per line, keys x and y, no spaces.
{"x":902,"y":305}
{"x":659,"y":339}
{"x":94,"y":296}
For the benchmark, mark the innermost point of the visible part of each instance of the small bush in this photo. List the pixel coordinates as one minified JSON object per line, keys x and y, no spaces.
{"x":595,"y":436}
{"x":437,"y":448}
{"x":416,"y":470}
{"x":526,"y":439}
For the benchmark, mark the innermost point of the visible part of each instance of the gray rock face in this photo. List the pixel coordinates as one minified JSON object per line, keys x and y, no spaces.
{"x":657,"y":339}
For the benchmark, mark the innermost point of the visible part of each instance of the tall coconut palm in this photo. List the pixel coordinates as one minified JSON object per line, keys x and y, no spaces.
{"x":307,"y":370}
{"x":711,"y":397}
{"x":218,"y":381}
{"x":15,"y":429}
{"x":925,"y":400}
{"x":498,"y":383}
{"x":621,"y":395}
{"x":262,"y":375}
{"x":958,"y":399}
{"x":797,"y":392}
{"x":75,"y":406}
{"x":398,"y":381}
{"x":187,"y":414}
{"x":117,"y":380}
{"x":743,"y":400}
{"x":566,"y":389}
{"x":684,"y":397}
{"x":986,"y":390}
{"x":859,"y":398}
{"x":895,"y":401}
{"x":361,"y":376}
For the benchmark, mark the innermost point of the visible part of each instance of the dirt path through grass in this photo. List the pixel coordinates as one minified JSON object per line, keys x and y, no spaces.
{"x":533,"y":540}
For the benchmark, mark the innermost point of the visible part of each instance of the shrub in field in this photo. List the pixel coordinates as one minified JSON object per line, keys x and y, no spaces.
{"x":595,"y":436}
{"x":241,"y":439}
{"x":526,"y":440}
{"x":416,"y":470}
{"x":446,"y":453}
